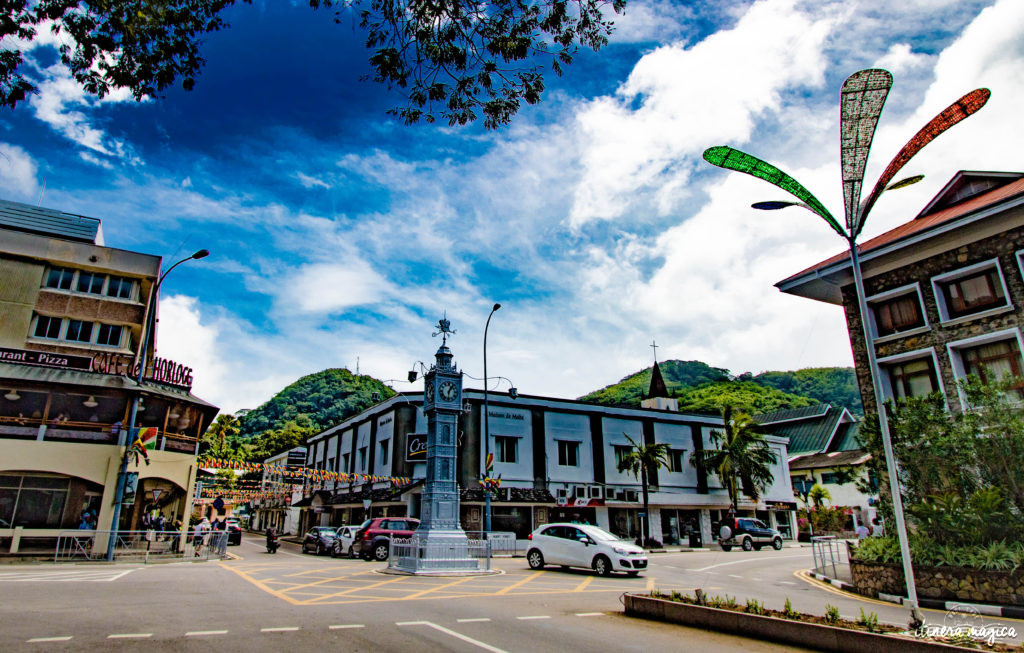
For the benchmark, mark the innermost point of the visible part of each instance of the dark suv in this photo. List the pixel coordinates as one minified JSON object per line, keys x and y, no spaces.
{"x":373,"y":539}
{"x":319,"y":539}
{"x":748,"y":533}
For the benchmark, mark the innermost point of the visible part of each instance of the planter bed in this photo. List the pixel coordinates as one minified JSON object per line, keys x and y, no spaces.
{"x":773,"y":626}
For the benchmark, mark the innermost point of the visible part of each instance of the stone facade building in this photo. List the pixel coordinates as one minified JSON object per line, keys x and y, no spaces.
{"x":945,"y":291}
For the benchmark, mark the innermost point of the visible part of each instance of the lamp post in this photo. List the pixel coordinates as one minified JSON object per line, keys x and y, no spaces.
{"x":127,"y":435}
{"x":487,"y":430}
{"x":862,"y":98}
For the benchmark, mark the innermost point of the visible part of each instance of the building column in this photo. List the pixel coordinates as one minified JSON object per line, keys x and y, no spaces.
{"x":190,"y":497}
{"x":107,"y":500}
{"x":705,"y":527}
{"x":654,"y":525}
{"x":601,"y":514}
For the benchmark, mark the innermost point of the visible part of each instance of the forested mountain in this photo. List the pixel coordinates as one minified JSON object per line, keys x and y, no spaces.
{"x":702,"y":388}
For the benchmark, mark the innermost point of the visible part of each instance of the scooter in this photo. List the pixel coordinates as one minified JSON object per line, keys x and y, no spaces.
{"x":272,"y":544}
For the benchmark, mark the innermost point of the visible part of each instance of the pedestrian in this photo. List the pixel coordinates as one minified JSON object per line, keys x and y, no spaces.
{"x":877,"y":529}
{"x":862,"y":531}
{"x":200,"y":534}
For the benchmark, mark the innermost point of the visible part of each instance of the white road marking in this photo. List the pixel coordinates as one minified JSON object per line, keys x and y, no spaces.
{"x":202,"y":633}
{"x":473,"y":620}
{"x":739,"y":562}
{"x":589,"y":614}
{"x":447,"y":631}
{"x":130,"y":636}
{"x":65,"y":638}
{"x":64,"y":575}
{"x":735,"y":576}
{"x":279,"y":629}
{"x":344,"y":626}
{"x":536,"y":616}
{"x":786,"y":582}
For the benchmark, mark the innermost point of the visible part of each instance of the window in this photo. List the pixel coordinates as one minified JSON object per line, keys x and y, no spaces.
{"x":59,"y":278}
{"x":109,"y":335}
{"x":972,"y":293}
{"x":914,"y":378}
{"x":384,"y":448}
{"x":993,"y":361}
{"x":33,"y":501}
{"x":119,"y":287}
{"x":344,"y":463}
{"x":829,"y":478}
{"x":621,"y":453}
{"x":897,"y":314}
{"x":47,"y":327}
{"x":676,"y":459}
{"x":508,"y":449}
{"x":90,"y":282}
{"x":79,"y":331}
{"x":568,"y":453}
{"x":362,"y":458}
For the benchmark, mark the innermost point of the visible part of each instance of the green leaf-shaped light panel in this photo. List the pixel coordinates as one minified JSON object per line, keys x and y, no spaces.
{"x":733,"y":159}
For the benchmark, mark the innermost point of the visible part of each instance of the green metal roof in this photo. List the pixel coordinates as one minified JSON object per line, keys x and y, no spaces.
{"x":809,"y":429}
{"x":846,"y":438}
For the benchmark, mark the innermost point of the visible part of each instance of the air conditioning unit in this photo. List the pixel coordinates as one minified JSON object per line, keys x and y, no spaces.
{"x":620,"y":495}
{"x":596,"y":492}
{"x":630,"y":495}
{"x":561,"y":493}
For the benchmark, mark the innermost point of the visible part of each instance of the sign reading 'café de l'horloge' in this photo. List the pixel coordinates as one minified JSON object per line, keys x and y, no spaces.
{"x":160,"y":370}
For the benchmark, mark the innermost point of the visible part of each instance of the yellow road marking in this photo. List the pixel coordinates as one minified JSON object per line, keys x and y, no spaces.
{"x":439,"y":587}
{"x":519,"y":583}
{"x":359,"y":589}
{"x":262,"y":586}
{"x":587,"y":581}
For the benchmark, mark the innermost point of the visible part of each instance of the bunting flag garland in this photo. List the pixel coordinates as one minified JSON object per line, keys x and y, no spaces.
{"x":319,"y":475}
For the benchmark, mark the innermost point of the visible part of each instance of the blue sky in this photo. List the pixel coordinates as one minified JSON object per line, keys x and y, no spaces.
{"x":338,"y":234}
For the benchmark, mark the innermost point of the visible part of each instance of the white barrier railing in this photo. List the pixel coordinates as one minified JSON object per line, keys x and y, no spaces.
{"x":141,"y":546}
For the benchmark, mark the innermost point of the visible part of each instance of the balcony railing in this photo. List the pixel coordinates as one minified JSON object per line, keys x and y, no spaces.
{"x":27,"y":428}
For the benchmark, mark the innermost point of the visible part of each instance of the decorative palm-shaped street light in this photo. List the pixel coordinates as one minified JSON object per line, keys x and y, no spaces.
{"x":861,"y":100}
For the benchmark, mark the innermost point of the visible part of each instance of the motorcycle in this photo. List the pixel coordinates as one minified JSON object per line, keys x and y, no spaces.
{"x":272,"y":544}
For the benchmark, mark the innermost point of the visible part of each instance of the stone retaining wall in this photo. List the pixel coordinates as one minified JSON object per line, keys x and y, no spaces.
{"x":945,"y":583}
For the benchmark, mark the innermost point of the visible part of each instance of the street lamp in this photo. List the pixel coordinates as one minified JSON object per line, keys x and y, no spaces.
{"x":129,"y":433}
{"x":861,"y":101}
{"x":487,"y":430}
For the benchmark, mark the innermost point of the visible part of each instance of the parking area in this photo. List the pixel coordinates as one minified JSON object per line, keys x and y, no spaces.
{"x":327,"y":581}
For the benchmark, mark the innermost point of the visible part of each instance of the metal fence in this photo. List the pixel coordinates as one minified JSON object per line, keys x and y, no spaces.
{"x":415,"y":554}
{"x":503,"y":543}
{"x":141,"y":546}
{"x":828,"y":554}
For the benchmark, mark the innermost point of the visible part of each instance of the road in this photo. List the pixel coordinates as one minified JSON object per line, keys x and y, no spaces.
{"x":264,"y":602}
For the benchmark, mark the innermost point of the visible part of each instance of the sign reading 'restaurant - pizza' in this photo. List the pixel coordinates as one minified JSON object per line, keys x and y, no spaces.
{"x":45,"y":359}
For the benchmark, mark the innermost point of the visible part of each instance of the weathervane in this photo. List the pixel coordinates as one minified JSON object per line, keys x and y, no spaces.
{"x":444,"y":329}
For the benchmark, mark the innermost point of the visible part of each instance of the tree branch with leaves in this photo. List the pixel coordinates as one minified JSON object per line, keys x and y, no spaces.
{"x":742,"y":459}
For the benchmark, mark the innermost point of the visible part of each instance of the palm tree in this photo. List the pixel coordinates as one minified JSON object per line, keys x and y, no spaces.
{"x":640,"y":459}
{"x":218,"y":441}
{"x":819,"y":495}
{"x":742,"y":459}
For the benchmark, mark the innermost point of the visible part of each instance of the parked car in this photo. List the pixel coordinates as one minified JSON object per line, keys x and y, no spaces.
{"x":373,"y":539}
{"x":319,"y":539}
{"x":234,"y":529}
{"x":750,"y":534}
{"x":582,"y":545}
{"x":343,"y":542}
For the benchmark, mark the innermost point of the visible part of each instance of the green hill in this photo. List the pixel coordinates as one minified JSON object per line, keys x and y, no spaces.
{"x":315,"y":402}
{"x":702,"y":388}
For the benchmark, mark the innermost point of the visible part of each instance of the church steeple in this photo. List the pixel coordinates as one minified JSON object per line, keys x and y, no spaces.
{"x":657,"y":393}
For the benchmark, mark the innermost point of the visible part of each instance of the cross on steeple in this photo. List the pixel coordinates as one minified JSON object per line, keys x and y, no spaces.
{"x":654,"y":346}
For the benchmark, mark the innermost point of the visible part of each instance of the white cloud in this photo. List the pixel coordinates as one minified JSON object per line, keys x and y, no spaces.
{"x":311,"y":182}
{"x":18,"y":173}
{"x":330,"y":287}
{"x":686,"y":99}
{"x":901,"y":58}
{"x":651,"y":20}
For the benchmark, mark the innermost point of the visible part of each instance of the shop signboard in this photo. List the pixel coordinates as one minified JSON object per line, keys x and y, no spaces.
{"x":131,"y":484}
{"x":45,"y":359}
{"x":416,"y":448}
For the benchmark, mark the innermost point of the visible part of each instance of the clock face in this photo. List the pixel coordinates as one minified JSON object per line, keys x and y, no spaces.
{"x":428,"y":391}
{"x":447,"y":391}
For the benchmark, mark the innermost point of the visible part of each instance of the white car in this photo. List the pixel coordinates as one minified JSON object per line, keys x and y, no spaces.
{"x":343,"y":542}
{"x":582,"y":545}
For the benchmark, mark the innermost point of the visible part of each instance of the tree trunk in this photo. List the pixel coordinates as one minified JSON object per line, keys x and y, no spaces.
{"x":646,"y":533}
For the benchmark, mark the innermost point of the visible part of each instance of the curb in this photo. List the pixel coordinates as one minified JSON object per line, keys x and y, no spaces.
{"x":1010,"y":611}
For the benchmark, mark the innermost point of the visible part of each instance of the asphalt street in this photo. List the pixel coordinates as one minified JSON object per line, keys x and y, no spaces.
{"x":269,"y":602}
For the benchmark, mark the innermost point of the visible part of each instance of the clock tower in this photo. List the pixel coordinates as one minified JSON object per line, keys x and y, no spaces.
{"x":439,"y":508}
